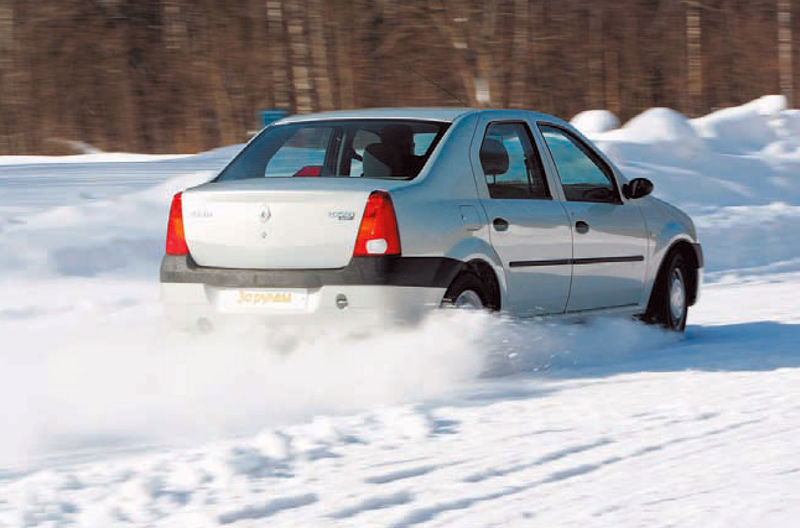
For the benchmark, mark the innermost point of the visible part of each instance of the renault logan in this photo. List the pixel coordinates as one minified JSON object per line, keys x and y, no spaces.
{"x":389,"y":213}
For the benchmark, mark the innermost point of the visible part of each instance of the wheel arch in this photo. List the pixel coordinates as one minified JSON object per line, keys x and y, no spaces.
{"x":487,"y":275}
{"x":689,"y":252}
{"x":480,"y":258}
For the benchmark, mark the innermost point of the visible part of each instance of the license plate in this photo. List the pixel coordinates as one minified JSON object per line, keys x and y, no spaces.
{"x":261,"y":300}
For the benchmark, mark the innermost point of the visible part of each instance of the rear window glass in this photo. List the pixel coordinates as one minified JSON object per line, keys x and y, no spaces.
{"x":375,"y":148}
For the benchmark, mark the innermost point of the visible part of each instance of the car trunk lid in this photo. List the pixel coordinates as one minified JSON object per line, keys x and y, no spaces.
{"x":276,"y":223}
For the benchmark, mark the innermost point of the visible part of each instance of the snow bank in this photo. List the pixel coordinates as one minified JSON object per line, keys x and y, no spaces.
{"x":741,"y":129}
{"x":748,"y":155}
{"x":743,"y":238}
{"x":595,"y":121}
{"x":661,"y":126}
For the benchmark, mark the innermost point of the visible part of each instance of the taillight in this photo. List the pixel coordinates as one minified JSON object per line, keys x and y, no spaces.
{"x":176,"y":241}
{"x":378,"y":234}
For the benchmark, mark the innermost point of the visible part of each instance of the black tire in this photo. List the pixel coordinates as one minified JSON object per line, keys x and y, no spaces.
{"x":664,"y":307}
{"x":466,"y":282}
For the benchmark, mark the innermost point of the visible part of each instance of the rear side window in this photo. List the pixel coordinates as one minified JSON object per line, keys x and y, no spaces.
{"x":375,"y":148}
{"x":511,"y":164}
{"x":583,"y":176}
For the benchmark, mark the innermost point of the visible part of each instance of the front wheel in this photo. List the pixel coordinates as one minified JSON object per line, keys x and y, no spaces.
{"x":669,"y":302}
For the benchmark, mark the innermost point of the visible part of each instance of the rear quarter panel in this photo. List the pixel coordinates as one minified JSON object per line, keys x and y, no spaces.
{"x":429,"y":210}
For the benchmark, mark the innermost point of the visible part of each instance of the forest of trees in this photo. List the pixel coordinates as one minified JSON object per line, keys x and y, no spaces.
{"x":189,"y":75}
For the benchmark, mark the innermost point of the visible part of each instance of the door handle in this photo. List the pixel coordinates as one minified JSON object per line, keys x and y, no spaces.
{"x":500,"y":224}
{"x":581,"y":227}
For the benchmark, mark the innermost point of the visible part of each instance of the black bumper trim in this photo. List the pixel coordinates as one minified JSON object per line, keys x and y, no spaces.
{"x":435,"y":272}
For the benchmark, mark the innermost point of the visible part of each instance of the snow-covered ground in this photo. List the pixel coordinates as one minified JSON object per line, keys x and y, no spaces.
{"x":108,"y":419}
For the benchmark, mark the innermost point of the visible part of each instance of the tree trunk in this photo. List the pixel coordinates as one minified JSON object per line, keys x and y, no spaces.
{"x":299,"y":53}
{"x":456,"y":36}
{"x":7,"y":103}
{"x":785,"y":50}
{"x":694,"y":59}
{"x":281,"y":98}
{"x":474,"y":55}
{"x":595,"y":87}
{"x":612,"y":95}
{"x":13,"y":81}
{"x":344,"y":63}
{"x":486,"y":84}
{"x":319,"y":54}
{"x":213,"y":66}
{"x":126,"y":121}
{"x":519,"y":53}
{"x":175,"y":32}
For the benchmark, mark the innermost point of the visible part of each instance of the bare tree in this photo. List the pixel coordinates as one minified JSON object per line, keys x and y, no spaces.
{"x":277,"y":47}
{"x":175,"y":32}
{"x":519,"y":52}
{"x":212,"y":67}
{"x":694,"y":58}
{"x":180,"y":75}
{"x":785,"y":49}
{"x":343,"y":43}
{"x":6,"y":76}
{"x":319,"y":55}
{"x":471,"y":43}
{"x":595,"y":59}
{"x":299,"y":54}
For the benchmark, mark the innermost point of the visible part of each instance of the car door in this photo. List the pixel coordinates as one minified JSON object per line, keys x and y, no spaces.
{"x":609,"y":235}
{"x":528,"y":229}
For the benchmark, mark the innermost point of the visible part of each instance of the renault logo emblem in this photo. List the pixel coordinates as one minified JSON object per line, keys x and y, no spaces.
{"x":266,"y":214}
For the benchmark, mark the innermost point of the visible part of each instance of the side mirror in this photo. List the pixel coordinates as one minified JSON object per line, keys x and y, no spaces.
{"x":637,"y":188}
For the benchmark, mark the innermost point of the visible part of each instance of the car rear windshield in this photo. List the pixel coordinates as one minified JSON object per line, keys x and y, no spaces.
{"x":367,"y":148}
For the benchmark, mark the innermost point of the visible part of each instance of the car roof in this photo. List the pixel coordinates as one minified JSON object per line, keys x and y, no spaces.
{"x":444,"y":114}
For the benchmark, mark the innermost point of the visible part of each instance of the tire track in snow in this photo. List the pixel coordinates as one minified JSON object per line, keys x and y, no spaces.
{"x":376,"y":502}
{"x":267,"y":509}
{"x":550,"y":457}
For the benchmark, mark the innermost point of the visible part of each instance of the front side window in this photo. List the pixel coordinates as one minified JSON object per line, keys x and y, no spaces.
{"x":583,"y":177}
{"x":510,"y":163}
{"x":374,"y":148}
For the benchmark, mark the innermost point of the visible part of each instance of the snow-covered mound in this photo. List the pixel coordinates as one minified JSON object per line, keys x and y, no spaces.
{"x":595,"y":121}
{"x":747,"y":128}
{"x":110,"y":420}
{"x":748,"y":155}
{"x":660,"y":126}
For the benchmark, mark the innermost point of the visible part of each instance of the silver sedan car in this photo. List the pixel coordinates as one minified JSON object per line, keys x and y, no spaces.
{"x":388,"y":213}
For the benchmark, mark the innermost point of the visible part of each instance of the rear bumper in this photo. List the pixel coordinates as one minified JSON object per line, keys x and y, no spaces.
{"x":424,"y":272}
{"x":383,"y":290}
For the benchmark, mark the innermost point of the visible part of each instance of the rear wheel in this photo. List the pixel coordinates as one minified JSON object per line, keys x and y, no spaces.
{"x":669,"y":302}
{"x":467,"y":292}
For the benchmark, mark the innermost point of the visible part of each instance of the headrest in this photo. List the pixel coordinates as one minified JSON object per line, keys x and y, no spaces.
{"x":378,"y":161}
{"x":398,"y":134}
{"x":494,"y":157}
